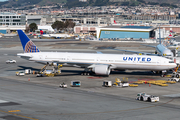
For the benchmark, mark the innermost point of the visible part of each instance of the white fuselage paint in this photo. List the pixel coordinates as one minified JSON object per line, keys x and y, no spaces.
{"x":115,"y":61}
{"x":164,"y":51}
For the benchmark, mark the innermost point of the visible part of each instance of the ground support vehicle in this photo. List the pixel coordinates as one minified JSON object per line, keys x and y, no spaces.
{"x":75,"y":83}
{"x":63,"y":85}
{"x":27,"y":71}
{"x":174,"y":79}
{"x":53,"y":71}
{"x":10,"y":61}
{"x":175,"y":74}
{"x":120,"y":83}
{"x":20,"y":73}
{"x":144,"y":97}
{"x":107,"y":83}
{"x":39,"y":75}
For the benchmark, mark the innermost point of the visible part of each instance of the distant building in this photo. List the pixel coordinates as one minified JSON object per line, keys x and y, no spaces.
{"x":34,"y":19}
{"x":135,"y":32}
{"x":151,"y":17}
{"x":85,"y":29}
{"x":163,"y":33}
{"x":11,"y":19}
{"x":173,"y":28}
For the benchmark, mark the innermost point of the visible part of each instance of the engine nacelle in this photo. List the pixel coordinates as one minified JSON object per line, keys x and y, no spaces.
{"x":53,"y":63}
{"x":101,"y":69}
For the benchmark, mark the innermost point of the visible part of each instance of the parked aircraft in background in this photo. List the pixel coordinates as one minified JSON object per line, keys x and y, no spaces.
{"x":174,"y":44}
{"x":100,"y":64}
{"x":160,"y":49}
{"x":56,"y":35}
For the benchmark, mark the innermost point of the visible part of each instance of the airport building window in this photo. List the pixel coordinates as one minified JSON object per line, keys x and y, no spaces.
{"x":14,"y":16}
{"x":0,"y":16}
{"x":7,"y":16}
{"x":16,"y":20}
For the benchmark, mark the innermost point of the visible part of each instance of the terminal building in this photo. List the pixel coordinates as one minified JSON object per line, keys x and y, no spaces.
{"x":11,"y":21}
{"x":7,"y":18}
{"x":122,"y":32}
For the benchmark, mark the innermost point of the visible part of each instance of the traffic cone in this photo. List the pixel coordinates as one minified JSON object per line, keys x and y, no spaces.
{"x":149,"y":85}
{"x":28,"y":79}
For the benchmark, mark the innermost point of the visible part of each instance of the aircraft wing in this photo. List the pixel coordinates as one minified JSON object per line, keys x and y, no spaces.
{"x":174,"y":46}
{"x":150,"y":46}
{"x":98,"y":52}
{"x":24,"y":56}
{"x":94,"y":65}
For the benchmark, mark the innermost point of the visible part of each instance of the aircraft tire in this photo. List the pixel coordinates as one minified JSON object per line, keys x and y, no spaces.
{"x":149,"y":99}
{"x":177,"y":76}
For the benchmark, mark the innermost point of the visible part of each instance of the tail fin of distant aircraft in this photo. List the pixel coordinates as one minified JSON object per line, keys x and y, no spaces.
{"x":115,"y":22}
{"x":41,"y":32}
{"x":159,"y":36}
{"x":27,"y":44}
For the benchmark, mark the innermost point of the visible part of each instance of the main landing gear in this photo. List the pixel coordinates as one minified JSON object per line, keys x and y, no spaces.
{"x":86,"y":72}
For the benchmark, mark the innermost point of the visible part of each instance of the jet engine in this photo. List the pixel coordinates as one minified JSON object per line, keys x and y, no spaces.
{"x":55,"y":64}
{"x":101,"y":69}
{"x":52,"y":63}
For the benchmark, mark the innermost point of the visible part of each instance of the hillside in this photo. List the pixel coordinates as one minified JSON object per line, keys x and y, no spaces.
{"x":76,"y":3}
{"x":165,"y":1}
{"x":46,"y":2}
{"x":24,"y":3}
{"x":19,"y":3}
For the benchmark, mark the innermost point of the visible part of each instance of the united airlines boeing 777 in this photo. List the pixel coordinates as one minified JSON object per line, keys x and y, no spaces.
{"x":100,"y":64}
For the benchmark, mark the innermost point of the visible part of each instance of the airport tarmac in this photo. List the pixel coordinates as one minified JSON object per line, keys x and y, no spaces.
{"x":30,"y":98}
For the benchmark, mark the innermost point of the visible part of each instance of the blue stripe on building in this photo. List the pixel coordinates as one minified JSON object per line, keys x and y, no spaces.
{"x":123,"y":34}
{"x":3,"y":31}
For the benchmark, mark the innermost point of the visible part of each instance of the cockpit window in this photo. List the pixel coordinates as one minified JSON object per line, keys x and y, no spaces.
{"x":171,"y":61}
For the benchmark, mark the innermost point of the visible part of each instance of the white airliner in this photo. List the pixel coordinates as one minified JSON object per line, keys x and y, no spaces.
{"x":162,"y":50}
{"x":56,"y":35}
{"x":174,"y":44}
{"x":100,"y":64}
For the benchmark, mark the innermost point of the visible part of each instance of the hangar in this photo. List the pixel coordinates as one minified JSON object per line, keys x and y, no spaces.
{"x":122,"y":32}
